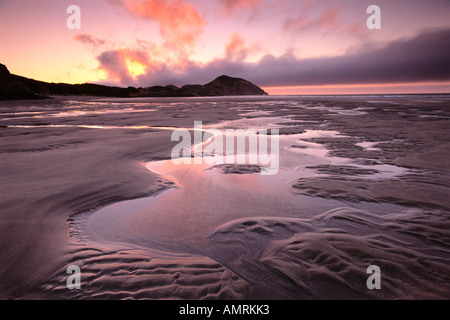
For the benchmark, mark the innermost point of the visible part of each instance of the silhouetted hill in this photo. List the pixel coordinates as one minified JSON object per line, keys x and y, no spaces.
{"x":86,"y":89}
{"x":221,"y":86}
{"x":172,"y":87}
{"x":13,"y":88}
{"x":228,"y":86}
{"x":18,"y":87}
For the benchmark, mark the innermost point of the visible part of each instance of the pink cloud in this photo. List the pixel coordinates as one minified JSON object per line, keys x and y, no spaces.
{"x":116,"y":64}
{"x":231,"y":5}
{"x":237,"y":48}
{"x":89,"y":40}
{"x":180,"y":23}
{"x":326,"y":21}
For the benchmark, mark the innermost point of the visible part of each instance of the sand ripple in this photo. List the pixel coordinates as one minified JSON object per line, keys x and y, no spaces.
{"x":326,"y":257}
{"x":138,"y":274}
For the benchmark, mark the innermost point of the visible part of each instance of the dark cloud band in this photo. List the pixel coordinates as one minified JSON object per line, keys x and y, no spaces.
{"x":424,"y":57}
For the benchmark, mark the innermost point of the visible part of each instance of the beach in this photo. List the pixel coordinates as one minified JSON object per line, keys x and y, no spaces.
{"x":361,"y":181}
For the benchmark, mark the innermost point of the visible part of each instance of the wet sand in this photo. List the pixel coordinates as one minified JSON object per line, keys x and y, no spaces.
{"x":362,"y":181}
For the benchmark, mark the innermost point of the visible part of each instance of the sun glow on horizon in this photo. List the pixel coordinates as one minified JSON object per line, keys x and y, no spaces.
{"x":349,"y":89}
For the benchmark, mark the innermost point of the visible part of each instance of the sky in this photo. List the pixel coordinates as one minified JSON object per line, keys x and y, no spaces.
{"x":284,"y":46}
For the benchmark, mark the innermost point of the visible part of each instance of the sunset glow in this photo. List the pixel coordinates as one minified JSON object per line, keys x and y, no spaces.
{"x":135,"y":68}
{"x":393,"y":88}
{"x":284,"y":46}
